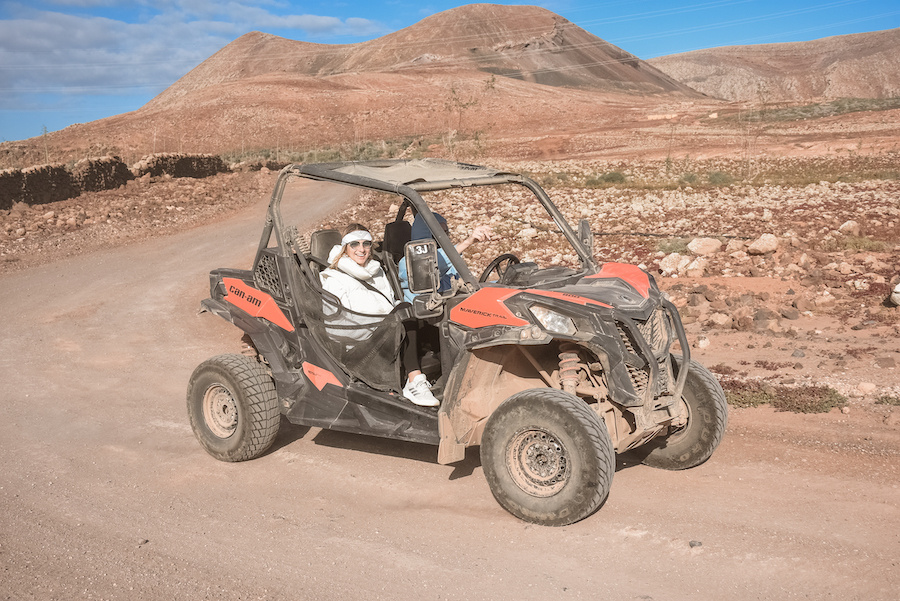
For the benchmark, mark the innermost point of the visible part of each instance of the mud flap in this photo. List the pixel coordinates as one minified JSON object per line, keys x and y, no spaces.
{"x":449,"y":451}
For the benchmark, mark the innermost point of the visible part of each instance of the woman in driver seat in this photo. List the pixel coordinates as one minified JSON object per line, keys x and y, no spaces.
{"x":361,"y":285}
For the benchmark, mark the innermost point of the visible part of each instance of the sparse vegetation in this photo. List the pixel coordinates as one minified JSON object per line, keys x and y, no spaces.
{"x":689,"y":179}
{"x":800,"y":399}
{"x":822,"y":109}
{"x":854,"y":244}
{"x":720,"y":178}
{"x":770,"y":365}
{"x":673,"y":245}
{"x":409,"y":147}
{"x":886,"y":399}
{"x":610,"y":177}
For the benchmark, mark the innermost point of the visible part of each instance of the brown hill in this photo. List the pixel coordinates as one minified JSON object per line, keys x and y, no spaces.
{"x":509,"y":69}
{"x":522,"y":42}
{"x":863,"y":65}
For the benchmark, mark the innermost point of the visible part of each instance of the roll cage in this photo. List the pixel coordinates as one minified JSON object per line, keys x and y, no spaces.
{"x":410,"y":178}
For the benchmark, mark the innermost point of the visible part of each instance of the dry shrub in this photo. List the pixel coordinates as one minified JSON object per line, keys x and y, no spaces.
{"x":887,"y":399}
{"x":800,"y":399}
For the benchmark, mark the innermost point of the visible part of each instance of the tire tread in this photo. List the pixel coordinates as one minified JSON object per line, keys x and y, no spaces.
{"x":264,"y":417}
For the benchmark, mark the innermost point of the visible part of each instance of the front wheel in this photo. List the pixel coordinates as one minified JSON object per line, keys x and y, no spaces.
{"x":233,"y":407}
{"x":707,"y":415}
{"x":547,"y":457}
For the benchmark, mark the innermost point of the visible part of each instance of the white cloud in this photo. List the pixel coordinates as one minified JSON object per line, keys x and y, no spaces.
{"x":46,"y":52}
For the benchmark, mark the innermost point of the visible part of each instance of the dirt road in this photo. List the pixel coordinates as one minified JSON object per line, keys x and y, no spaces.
{"x":105,"y":494}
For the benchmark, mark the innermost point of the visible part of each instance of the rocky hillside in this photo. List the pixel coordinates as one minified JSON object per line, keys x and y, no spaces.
{"x":863,"y":65}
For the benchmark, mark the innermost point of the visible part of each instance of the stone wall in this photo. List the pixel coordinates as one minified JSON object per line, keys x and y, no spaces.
{"x":106,"y":173}
{"x":51,"y":183}
{"x":179,"y":165}
{"x":12,"y":183}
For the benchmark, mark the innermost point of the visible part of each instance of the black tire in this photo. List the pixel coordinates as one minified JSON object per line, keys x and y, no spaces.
{"x":233,"y":407}
{"x":547,"y":457}
{"x":694,"y":443}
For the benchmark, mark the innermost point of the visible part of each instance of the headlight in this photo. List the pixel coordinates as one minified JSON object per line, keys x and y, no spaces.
{"x":553,"y":321}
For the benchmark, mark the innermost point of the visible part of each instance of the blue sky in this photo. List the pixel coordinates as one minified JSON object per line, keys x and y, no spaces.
{"x":74,"y":61}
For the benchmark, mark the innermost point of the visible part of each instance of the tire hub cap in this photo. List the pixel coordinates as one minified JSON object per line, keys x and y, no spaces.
{"x":220,"y":411}
{"x":538,"y":462}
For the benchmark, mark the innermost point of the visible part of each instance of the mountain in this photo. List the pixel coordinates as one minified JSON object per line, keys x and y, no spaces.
{"x":527,"y":43}
{"x":511,"y":70}
{"x":862,"y":65}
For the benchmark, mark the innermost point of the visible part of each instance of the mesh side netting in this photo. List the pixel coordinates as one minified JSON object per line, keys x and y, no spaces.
{"x":368,"y":346}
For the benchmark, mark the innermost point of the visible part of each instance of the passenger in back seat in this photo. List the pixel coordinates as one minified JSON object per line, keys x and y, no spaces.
{"x":361,"y":285}
{"x":420,"y":231}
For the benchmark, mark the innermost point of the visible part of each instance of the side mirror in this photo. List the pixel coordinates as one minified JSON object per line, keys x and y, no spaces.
{"x":585,"y":235}
{"x":422,"y":265}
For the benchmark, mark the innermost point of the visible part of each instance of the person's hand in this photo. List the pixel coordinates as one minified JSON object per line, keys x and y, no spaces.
{"x":482,"y":233}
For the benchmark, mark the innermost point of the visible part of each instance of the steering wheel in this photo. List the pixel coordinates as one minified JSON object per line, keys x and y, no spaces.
{"x":501,"y":265}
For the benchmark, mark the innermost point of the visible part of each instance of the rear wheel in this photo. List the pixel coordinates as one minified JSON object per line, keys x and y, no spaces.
{"x":233,"y":407}
{"x":547,"y":457}
{"x":707,"y":415}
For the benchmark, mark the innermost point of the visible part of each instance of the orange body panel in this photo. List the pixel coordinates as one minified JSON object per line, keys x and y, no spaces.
{"x":632,"y":274}
{"x":255,"y":302}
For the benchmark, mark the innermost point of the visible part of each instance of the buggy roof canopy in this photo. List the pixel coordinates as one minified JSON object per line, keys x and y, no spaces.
{"x":419,"y":174}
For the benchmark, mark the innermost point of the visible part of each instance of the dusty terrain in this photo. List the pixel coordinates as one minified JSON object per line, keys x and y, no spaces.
{"x":780,"y":274}
{"x":105,"y":494}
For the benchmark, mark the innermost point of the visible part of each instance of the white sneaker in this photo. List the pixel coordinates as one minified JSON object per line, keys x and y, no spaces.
{"x":419,"y":392}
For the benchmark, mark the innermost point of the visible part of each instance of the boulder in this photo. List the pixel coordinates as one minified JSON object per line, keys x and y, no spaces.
{"x":765,"y":244}
{"x":849,"y":228}
{"x":673,"y":264}
{"x":704,"y":246}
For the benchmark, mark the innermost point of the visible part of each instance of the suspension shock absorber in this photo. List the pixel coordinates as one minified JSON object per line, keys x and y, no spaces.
{"x":569,"y":364}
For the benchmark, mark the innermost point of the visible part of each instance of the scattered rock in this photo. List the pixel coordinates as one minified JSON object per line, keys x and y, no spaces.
{"x":790,"y":313}
{"x":866,"y":387}
{"x":803,"y":305}
{"x":674,"y":264}
{"x":721,"y":320}
{"x":696,"y":268}
{"x":895,"y":295}
{"x":704,"y":246}
{"x":826,"y":301}
{"x":765,"y":244}
{"x":849,"y":228}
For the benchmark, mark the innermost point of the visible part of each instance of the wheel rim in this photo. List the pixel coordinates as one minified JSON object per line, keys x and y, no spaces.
{"x":538,"y":462}
{"x":220,"y":411}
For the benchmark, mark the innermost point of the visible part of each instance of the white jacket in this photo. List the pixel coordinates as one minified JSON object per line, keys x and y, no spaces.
{"x":345,"y":283}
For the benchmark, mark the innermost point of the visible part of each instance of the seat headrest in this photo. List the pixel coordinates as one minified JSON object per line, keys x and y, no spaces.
{"x":322,"y":241}
{"x":396,"y":235}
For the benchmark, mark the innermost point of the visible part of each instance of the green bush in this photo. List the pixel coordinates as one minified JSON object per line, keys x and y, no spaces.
{"x":720,"y":178}
{"x":689,"y":179}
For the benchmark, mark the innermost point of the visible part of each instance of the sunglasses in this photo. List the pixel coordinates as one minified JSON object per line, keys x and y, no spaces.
{"x":355,"y":243}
